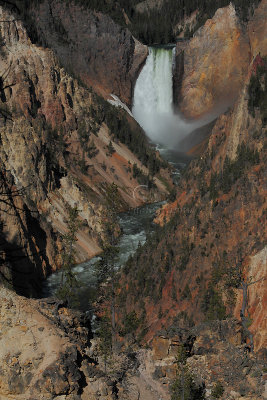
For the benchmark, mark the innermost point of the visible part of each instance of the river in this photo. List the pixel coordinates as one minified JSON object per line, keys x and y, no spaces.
{"x":134,"y":224}
{"x":154,"y":111}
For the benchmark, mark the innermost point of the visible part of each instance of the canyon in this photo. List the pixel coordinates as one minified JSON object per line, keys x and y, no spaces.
{"x":67,"y":135}
{"x":55,"y":153}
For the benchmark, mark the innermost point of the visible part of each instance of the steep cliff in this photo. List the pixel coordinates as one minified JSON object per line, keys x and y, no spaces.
{"x":99,"y":52}
{"x":216,"y":60}
{"x":212,"y":243}
{"x":56,"y":357}
{"x":61,"y":145}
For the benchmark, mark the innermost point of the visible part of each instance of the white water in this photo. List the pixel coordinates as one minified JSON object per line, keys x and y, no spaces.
{"x":135,"y":225}
{"x":153,"y":100}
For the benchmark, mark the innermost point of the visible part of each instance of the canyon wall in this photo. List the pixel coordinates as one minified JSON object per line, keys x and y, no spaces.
{"x":216,"y":60}
{"x":99,"y":52}
{"x":57,"y":151}
{"x":213,"y":236}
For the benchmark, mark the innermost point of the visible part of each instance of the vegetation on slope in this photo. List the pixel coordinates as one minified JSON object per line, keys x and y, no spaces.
{"x":122,"y":130}
{"x":155,"y":25}
{"x":257,"y":90}
{"x":189,"y":270}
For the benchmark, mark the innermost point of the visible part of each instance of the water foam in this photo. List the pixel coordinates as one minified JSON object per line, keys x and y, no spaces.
{"x":153,"y":100}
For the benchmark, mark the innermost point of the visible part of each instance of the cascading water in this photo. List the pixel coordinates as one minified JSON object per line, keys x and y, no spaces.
{"x":153,"y":109}
{"x":153,"y":100}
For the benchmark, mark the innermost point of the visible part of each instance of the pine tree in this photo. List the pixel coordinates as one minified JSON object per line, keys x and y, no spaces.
{"x":69,"y":282}
{"x":106,"y":266}
{"x":184,"y":387}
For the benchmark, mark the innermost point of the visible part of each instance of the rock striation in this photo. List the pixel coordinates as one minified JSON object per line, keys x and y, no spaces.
{"x":216,"y":60}
{"x":213,"y":237}
{"x":102,"y":54}
{"x":55,"y":153}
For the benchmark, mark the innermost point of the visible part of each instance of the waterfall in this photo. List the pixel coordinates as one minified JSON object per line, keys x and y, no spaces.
{"x":153,"y":99}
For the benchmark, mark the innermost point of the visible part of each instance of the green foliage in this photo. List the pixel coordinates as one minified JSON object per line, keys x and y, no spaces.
{"x":110,"y":148}
{"x":186,"y":293}
{"x":83,"y":166}
{"x":151,"y":26}
{"x":184,"y":386}
{"x":104,"y":333}
{"x":185,"y":253}
{"x":157,"y":25}
{"x":212,"y":304}
{"x":232,"y":170}
{"x":130,"y":323}
{"x":142,"y":178}
{"x":91,"y":150}
{"x":69,"y":283}
{"x":182,"y":355}
{"x":257,"y":91}
{"x":105,"y":266}
{"x":119,"y":126}
{"x":217,"y":391}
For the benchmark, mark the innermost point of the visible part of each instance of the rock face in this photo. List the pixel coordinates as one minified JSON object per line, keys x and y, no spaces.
{"x":55,"y":358}
{"x":215,"y":238}
{"x":214,"y":354}
{"x":40,"y":349}
{"x":54,"y":154}
{"x":100,"y":53}
{"x":216,"y":61}
{"x":257,"y":30}
{"x":256,"y":275}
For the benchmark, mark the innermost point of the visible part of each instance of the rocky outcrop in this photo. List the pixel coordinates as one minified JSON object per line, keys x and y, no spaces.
{"x":215,"y":353}
{"x":56,"y":358}
{"x":216,"y":61}
{"x":41,"y":349}
{"x":257,"y":30}
{"x":256,"y":276}
{"x":99,"y":52}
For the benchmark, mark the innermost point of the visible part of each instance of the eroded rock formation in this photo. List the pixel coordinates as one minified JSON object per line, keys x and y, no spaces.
{"x":216,"y":60}
{"x":216,"y":235}
{"x":57,"y":151}
{"x":96,"y":50}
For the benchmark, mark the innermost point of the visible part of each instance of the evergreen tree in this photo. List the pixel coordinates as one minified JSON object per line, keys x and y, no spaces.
{"x":184,"y":387}
{"x":106,"y":266}
{"x":69,"y":282}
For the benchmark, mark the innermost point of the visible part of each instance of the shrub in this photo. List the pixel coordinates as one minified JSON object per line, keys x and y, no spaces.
{"x":217,"y":391}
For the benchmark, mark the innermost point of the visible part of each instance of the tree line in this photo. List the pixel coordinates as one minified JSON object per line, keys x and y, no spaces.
{"x":155,"y":25}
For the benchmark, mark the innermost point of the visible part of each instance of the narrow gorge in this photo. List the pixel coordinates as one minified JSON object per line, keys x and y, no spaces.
{"x":133,"y":258}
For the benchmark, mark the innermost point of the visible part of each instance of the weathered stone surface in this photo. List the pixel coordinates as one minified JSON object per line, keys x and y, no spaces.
{"x":41,"y":153}
{"x":100,"y":52}
{"x":160,"y":347}
{"x":212,"y":67}
{"x":215,"y":64}
{"x":257,"y":294}
{"x":257,"y":30}
{"x":39,"y":349}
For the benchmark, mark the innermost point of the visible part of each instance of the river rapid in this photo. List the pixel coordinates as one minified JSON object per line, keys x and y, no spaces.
{"x":153,"y":109}
{"x":134,"y":224}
